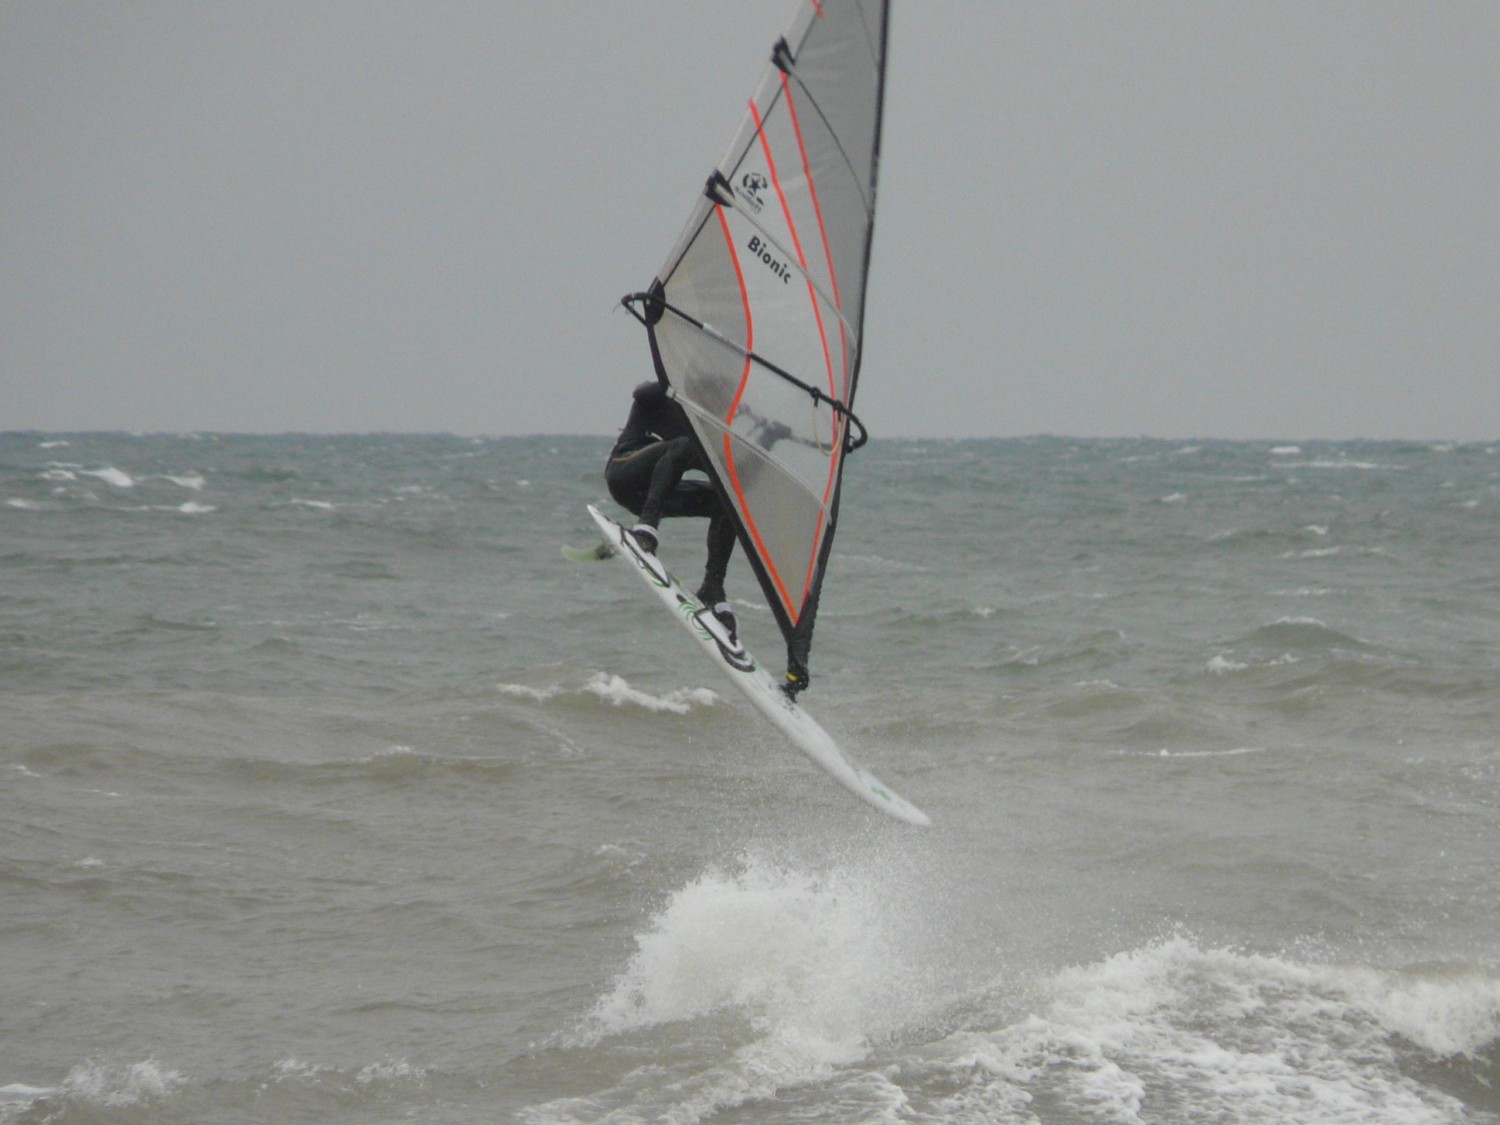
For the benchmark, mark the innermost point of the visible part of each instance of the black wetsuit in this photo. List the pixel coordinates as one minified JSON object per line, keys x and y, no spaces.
{"x":645,"y":475}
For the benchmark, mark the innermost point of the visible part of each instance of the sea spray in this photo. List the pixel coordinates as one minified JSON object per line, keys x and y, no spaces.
{"x":807,"y":957}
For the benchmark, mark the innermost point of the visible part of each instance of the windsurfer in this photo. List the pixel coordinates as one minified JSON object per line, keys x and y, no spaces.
{"x":645,"y":475}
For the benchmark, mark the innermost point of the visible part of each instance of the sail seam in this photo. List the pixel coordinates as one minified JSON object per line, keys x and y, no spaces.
{"x":729,"y":459}
{"x":833,"y":389}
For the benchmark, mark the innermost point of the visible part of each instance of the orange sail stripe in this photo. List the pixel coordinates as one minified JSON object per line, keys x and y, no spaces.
{"x":836,"y":392}
{"x":734,"y":475}
{"x":812,"y":296}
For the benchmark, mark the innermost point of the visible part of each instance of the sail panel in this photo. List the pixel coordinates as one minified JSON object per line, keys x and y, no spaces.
{"x":763,"y":296}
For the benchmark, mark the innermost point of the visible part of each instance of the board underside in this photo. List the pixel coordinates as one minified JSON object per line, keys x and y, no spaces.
{"x":731,"y":656}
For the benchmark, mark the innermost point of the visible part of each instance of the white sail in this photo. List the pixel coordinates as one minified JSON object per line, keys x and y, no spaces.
{"x":756,"y":319}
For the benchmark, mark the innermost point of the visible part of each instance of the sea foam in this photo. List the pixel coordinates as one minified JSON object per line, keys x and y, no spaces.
{"x":1236,"y":1036}
{"x":806,"y":956}
{"x":110,"y":475}
{"x":615,"y":690}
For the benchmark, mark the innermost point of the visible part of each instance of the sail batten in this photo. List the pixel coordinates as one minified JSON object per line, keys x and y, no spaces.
{"x":756,"y":319}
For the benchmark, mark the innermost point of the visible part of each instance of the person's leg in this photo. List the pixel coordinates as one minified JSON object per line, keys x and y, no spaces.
{"x":676,"y":457}
{"x":629,"y":478}
{"x":720,"y":547}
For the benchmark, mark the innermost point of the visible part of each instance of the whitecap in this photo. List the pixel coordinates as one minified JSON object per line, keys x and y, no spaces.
{"x":23,"y":505}
{"x":1221,"y":665}
{"x":16,"y":1097}
{"x":113,"y":1085}
{"x":1232,"y":1036}
{"x":194,"y":509}
{"x":390,"y":1070}
{"x":806,"y":956}
{"x":320,"y":505}
{"x":110,"y":475}
{"x":293,"y":1067}
{"x":539,"y":695}
{"x":1235,"y":752}
{"x":194,"y":481}
{"x":615,"y":690}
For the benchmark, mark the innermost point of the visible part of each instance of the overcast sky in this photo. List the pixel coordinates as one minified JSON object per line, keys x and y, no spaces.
{"x":1187,"y":220}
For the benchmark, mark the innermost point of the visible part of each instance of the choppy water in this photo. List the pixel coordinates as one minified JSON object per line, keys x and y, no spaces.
{"x":331,"y":793}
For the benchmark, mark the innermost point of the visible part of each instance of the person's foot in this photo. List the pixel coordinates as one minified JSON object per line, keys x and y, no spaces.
{"x":646,"y":536}
{"x":725,"y":616}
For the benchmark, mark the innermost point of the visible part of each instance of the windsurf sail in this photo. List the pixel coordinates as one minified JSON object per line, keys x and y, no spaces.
{"x":756,"y":320}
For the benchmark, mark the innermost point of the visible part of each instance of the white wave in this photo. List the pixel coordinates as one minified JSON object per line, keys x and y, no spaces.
{"x":615,"y":690}
{"x":116,"y":1086}
{"x":192,"y":508}
{"x":1331,"y":463}
{"x":320,"y":505}
{"x":1221,"y":1035}
{"x":1450,"y":1011}
{"x":1236,"y":752}
{"x":16,"y":1098}
{"x":293,"y":1067}
{"x":194,"y":481}
{"x":23,"y":505}
{"x":389,"y":1071}
{"x":110,"y":475}
{"x":782,"y":945}
{"x":1221,"y":665}
{"x":808,"y":964}
{"x":538,"y":695}
{"x":58,"y":473}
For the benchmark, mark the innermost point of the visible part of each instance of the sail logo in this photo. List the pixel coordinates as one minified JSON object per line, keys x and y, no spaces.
{"x":750,"y":186}
{"x":763,"y":252}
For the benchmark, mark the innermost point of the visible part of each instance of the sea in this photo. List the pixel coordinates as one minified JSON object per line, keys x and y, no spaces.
{"x":331,"y":792}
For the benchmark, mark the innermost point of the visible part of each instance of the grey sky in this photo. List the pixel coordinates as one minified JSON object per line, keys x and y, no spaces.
{"x":1198,"y":219}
